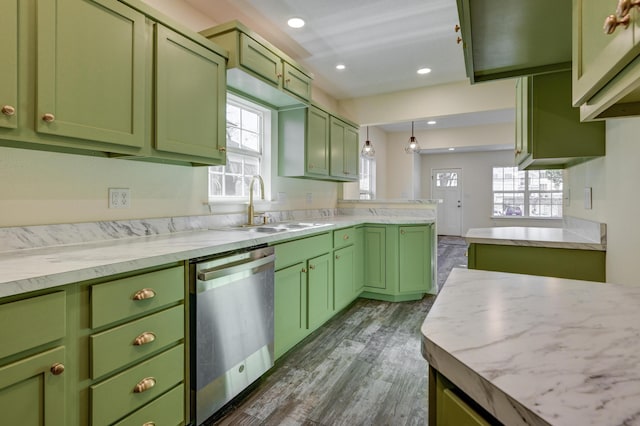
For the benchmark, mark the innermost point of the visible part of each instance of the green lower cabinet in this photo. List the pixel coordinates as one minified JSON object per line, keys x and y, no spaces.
{"x":30,"y":392}
{"x":589,"y":265}
{"x":290,"y":321}
{"x":358,"y":278}
{"x":320,"y":290}
{"x":344,"y":265}
{"x":397,"y":262}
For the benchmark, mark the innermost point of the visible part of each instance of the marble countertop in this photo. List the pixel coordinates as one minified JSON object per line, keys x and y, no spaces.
{"x":539,"y":350}
{"x":28,"y":270}
{"x":533,"y":237}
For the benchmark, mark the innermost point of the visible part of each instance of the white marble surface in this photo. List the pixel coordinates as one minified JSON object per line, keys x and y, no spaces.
{"x":534,"y":237}
{"x":539,"y":350}
{"x":39,"y":268}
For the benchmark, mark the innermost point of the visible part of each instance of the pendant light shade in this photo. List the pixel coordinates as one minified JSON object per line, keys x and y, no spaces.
{"x":413,"y":147}
{"x":367,"y":149}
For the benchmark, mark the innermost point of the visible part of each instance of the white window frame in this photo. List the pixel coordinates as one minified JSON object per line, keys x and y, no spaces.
{"x":367,"y":181}
{"x":263,"y":155}
{"x":528,"y":193}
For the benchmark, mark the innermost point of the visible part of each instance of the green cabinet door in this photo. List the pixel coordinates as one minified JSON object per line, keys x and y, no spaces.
{"x":260,"y":60}
{"x":188,"y":122}
{"x":317,"y":142}
{"x":320,"y":290}
{"x":290,"y":307}
{"x":414,"y":266}
{"x":30,"y":394}
{"x":375,"y":258}
{"x":358,"y":283}
{"x":296,"y":82}
{"x":344,"y":150}
{"x":344,"y":263}
{"x":9,"y":64}
{"x":522,"y":125}
{"x":91,"y":71}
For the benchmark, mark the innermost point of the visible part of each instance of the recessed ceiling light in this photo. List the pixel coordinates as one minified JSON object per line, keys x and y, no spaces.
{"x":424,"y":71}
{"x":452,"y":149}
{"x":340,"y":67}
{"x":431,"y":122}
{"x":296,"y":22}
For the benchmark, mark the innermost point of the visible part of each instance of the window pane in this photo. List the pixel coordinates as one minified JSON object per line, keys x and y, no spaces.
{"x":250,"y":141}
{"x":233,"y":115}
{"x":233,"y":137}
{"x":534,"y":193}
{"x":250,"y":121}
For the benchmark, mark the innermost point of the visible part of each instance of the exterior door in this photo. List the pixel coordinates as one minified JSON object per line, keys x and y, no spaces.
{"x":446,"y":185}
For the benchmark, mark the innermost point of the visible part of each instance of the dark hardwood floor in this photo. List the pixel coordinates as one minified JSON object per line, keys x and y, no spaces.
{"x":363,"y":367}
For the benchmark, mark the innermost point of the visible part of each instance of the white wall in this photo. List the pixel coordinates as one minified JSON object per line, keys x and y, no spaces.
{"x":614,"y":181}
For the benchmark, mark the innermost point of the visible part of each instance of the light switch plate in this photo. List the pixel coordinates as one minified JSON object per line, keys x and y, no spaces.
{"x":587,"y":198}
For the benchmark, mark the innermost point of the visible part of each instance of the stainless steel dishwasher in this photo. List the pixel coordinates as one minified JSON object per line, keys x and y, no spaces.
{"x":231,"y":326}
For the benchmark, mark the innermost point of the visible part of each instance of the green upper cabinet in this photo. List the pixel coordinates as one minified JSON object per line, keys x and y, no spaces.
{"x":344,"y":150}
{"x":259,"y":69}
{"x":91,"y":71}
{"x":190,"y":98}
{"x":415,"y":263}
{"x":92,"y":75}
{"x":549,"y":133}
{"x":330,"y":148}
{"x":606,"y":76}
{"x":502,"y":39}
{"x":9,"y":64}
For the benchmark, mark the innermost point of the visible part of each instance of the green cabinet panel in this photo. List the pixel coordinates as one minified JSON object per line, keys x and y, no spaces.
{"x":167,"y":410}
{"x":550,"y":262}
{"x":117,"y":396}
{"x":260,"y":70}
{"x":9,"y":64}
{"x":320,"y":290}
{"x":301,"y":249}
{"x":375,"y":259}
{"x":130,"y":342}
{"x":344,"y":150}
{"x":91,"y":71}
{"x":30,"y":395}
{"x":414,"y":266}
{"x":41,"y":319}
{"x":344,"y":267}
{"x":358,"y":283}
{"x":290,"y":307}
{"x":343,"y":237}
{"x":190,"y":98}
{"x":549,"y":133}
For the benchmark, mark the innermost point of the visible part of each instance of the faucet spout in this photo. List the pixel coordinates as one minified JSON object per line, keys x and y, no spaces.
{"x":250,"y":209}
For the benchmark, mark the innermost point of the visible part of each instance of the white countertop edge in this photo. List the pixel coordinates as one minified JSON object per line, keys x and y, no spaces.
{"x":23,"y":271}
{"x":532,"y":237}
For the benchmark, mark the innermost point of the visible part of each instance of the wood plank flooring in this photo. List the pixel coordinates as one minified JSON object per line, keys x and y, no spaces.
{"x":363,"y":367}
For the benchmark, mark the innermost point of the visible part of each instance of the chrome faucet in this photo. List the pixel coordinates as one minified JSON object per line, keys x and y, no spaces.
{"x":250,"y":209}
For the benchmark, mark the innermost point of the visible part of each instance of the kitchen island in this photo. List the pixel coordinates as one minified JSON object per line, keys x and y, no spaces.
{"x":572,"y":252}
{"x":536,"y":350}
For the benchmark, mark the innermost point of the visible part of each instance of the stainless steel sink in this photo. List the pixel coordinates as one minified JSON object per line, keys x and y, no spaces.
{"x":272,"y":228}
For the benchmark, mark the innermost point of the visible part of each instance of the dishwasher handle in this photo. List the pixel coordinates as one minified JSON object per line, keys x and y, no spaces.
{"x":228,"y":269}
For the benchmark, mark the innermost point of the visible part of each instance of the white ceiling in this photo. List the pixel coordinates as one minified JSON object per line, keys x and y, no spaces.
{"x":382,"y":43}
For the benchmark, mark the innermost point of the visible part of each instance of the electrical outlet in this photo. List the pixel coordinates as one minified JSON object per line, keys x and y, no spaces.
{"x":119,"y":198}
{"x":309,"y":197}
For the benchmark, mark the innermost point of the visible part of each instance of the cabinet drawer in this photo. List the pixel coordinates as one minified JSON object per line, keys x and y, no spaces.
{"x":122,"y":345}
{"x":120,"y":299}
{"x":456,"y":412}
{"x":343,"y":237}
{"x":302,"y":249}
{"x":117,"y":396}
{"x":168,"y":410}
{"x":31,"y":322}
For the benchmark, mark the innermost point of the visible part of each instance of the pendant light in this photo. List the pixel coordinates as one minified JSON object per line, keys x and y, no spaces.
{"x":367,"y":148}
{"x":413,"y":147}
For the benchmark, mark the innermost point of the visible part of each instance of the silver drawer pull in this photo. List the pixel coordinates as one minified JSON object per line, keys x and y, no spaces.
{"x":144,"y":338}
{"x":144,"y":385}
{"x":145,"y":293}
